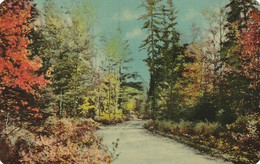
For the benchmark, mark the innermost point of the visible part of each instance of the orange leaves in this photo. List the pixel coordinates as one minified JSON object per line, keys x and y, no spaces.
{"x":67,"y":140}
{"x":35,"y":110}
{"x":17,"y":70}
{"x":192,"y":72}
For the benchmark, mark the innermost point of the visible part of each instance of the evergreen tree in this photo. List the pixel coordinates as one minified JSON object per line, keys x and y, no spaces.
{"x":237,"y":17}
{"x":151,"y":44}
{"x":172,"y":55}
{"x":68,"y":46}
{"x":164,"y":52}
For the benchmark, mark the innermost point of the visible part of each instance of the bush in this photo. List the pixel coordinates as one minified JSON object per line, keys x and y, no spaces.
{"x":164,"y":126}
{"x":207,"y":129}
{"x":246,"y":130}
{"x":58,"y":141}
{"x":185,"y":127}
{"x":110,"y":118}
{"x":12,"y":140}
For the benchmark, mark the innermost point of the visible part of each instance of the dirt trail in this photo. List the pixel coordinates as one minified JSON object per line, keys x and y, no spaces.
{"x":138,"y":146}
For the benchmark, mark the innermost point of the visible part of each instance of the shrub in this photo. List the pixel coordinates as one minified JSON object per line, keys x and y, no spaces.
{"x":207,"y":129}
{"x":164,"y":126}
{"x":246,"y":130}
{"x":58,"y":141}
{"x":185,"y":127}
{"x":12,"y":140}
{"x":110,"y":118}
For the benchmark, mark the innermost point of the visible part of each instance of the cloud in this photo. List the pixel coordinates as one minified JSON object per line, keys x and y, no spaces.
{"x":137,"y":32}
{"x":126,"y":15}
{"x":190,"y":15}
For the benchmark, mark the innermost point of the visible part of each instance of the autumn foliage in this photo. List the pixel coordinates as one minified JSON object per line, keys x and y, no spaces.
{"x":19,"y":77}
{"x":57,"y":141}
{"x":249,"y":42}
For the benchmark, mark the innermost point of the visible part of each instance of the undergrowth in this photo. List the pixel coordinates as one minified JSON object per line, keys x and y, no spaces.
{"x":237,"y":142}
{"x":57,"y":141}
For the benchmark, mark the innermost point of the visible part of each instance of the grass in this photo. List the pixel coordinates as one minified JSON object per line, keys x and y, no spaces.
{"x":187,"y":127}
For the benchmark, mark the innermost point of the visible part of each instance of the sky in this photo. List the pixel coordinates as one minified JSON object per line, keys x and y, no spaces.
{"x":112,"y":14}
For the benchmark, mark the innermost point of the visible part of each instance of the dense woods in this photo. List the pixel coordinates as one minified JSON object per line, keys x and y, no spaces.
{"x":209,"y":87}
{"x":51,"y":71}
{"x":57,"y":84}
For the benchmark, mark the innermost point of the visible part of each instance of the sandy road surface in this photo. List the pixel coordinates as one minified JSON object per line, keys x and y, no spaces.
{"x":138,"y":146}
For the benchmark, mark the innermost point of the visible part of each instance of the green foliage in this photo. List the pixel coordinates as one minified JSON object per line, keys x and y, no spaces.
{"x":130,"y":98}
{"x":207,"y":129}
{"x":67,"y":44}
{"x":87,"y":109}
{"x":237,"y":18}
{"x":165,"y":55}
{"x":187,"y":128}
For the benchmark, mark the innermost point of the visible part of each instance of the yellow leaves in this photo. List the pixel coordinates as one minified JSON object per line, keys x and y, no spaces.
{"x":108,"y":117}
{"x":87,"y":105}
{"x":130,"y":105}
{"x":49,"y":71}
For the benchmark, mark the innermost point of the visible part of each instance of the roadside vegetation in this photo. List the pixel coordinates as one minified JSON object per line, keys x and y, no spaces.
{"x":237,"y":142}
{"x":57,"y":82}
{"x":206,"y":91}
{"x":55,"y":141}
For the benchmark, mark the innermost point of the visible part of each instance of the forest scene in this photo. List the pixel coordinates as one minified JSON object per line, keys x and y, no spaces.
{"x":129,"y":81}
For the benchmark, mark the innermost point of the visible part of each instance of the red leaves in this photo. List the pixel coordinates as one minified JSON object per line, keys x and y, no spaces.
{"x":24,"y":102}
{"x":16,"y":69}
{"x":9,"y":5}
{"x":15,"y":62}
{"x":249,"y":42}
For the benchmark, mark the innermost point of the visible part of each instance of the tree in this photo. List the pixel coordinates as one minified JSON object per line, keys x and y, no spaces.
{"x":237,"y":17}
{"x":68,"y":43}
{"x":151,"y":23}
{"x":165,"y":55}
{"x":249,"y":43}
{"x":116,"y":53}
{"x":172,"y":56}
{"x":20,"y":82}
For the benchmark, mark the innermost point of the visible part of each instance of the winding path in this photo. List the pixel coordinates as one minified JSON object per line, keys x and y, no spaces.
{"x":138,"y":146}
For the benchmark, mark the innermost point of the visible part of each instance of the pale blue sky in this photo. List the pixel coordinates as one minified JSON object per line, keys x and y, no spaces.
{"x":111,"y":14}
{"x":124,"y":13}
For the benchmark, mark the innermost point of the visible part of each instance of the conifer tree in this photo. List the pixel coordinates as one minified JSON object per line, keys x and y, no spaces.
{"x":151,"y":44}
